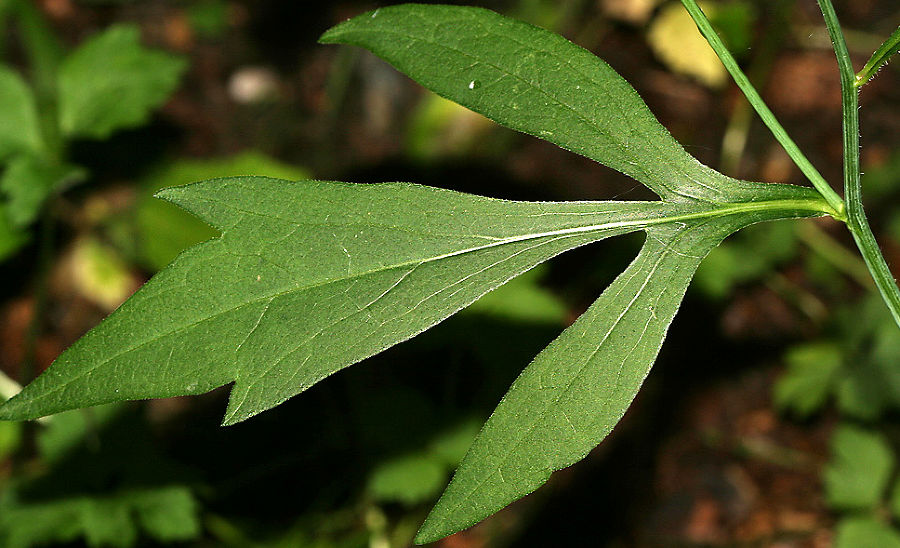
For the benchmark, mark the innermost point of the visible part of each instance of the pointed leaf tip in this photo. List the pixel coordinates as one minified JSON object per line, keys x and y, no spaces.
{"x":246,"y":306}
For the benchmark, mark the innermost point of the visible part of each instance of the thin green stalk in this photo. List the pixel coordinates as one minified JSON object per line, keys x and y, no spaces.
{"x":856,"y":216}
{"x":880,"y":57}
{"x":819,"y":182}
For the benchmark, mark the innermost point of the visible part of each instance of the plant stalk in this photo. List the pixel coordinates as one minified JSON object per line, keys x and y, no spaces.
{"x":881,"y":56}
{"x":856,"y":216}
{"x":819,"y":182}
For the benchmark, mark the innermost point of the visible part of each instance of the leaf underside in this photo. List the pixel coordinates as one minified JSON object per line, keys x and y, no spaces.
{"x":310,"y":277}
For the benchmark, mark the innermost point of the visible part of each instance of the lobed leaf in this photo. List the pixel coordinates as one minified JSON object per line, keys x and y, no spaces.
{"x":306,"y":279}
{"x":163,"y":230}
{"x":310,"y":277}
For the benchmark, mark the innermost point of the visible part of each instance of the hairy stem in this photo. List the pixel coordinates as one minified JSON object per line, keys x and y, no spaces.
{"x":879,"y":58}
{"x":856,"y":216}
{"x":763,"y":110}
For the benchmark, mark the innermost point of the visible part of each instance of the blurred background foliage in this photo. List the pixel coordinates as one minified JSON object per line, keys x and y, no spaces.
{"x":768,"y":420}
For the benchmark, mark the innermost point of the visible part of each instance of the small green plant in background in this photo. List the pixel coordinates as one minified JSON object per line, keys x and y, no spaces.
{"x":856,"y":367}
{"x":109,"y":82}
{"x":67,"y":99}
{"x":310,"y":277}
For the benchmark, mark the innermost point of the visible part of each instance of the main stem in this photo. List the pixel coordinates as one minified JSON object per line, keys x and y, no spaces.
{"x":856,"y":216}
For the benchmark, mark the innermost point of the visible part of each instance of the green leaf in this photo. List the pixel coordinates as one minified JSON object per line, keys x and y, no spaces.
{"x":11,"y":237}
{"x":409,"y":479}
{"x":861,"y":392}
{"x":451,"y":445}
{"x":309,"y":270}
{"x":805,"y":386}
{"x":533,"y":81}
{"x":10,"y":438}
{"x":577,"y":389}
{"x":112,"y":82}
{"x":28,"y":180}
{"x":166,"y":513}
{"x":310,"y":277}
{"x":748,"y":256}
{"x":67,"y":431}
{"x":165,"y":230}
{"x":856,"y":476}
{"x":865,"y":533}
{"x":894,"y":501}
{"x":19,"y":129}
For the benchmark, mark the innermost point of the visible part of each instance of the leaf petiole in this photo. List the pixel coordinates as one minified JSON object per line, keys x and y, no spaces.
{"x":811,"y":173}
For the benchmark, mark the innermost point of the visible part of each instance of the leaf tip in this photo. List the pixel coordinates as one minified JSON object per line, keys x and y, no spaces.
{"x":330,"y":36}
{"x":236,"y":411}
{"x":335,"y":35}
{"x":427,"y":534}
{"x":230,"y":419}
{"x":169,"y":194}
{"x":436,"y":527}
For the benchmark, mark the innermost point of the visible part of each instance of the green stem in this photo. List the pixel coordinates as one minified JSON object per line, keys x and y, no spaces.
{"x":880,"y":57}
{"x":706,"y":29}
{"x":856,"y":216}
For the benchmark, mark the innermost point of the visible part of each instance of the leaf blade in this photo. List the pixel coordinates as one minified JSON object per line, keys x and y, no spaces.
{"x":19,"y":129}
{"x":265,"y":295}
{"x":550,"y":418}
{"x":536,"y":82}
